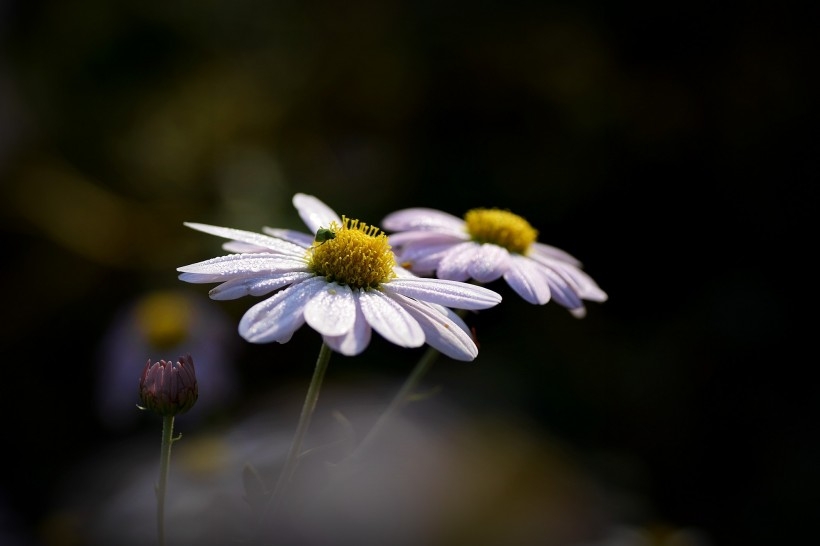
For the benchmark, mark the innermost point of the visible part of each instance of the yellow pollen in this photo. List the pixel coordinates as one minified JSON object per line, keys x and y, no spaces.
{"x":501,"y":228}
{"x":357,"y":255}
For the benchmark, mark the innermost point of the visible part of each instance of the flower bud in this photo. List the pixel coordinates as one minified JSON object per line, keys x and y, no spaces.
{"x":169,"y":388}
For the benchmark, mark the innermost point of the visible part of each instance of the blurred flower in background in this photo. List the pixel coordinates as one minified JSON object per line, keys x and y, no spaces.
{"x":166,"y":323}
{"x":440,"y":475}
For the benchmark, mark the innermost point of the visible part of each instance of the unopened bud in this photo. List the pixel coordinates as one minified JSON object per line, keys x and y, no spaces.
{"x":169,"y":388}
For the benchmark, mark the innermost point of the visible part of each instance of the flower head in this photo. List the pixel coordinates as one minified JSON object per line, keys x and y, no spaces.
{"x":488,"y":244}
{"x":341,"y":279}
{"x":169,"y":388}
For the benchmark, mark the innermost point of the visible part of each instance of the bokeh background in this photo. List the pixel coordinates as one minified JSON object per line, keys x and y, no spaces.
{"x":667,"y":146}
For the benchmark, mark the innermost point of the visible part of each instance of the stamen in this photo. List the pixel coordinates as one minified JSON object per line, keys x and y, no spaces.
{"x":356,"y":254}
{"x":500,"y":227}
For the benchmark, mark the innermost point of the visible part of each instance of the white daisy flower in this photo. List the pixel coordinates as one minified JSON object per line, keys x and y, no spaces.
{"x":486,"y":245}
{"x":341,"y":279}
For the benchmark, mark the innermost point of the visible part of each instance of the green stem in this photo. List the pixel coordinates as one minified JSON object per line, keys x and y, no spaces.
{"x":164,"y":465}
{"x":410,"y":384}
{"x":295,"y":451}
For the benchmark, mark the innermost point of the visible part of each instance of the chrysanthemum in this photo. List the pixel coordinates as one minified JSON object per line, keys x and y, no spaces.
{"x":488,"y":244}
{"x":341,"y":279}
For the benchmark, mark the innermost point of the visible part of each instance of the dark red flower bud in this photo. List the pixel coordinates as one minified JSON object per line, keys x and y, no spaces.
{"x":169,"y":388}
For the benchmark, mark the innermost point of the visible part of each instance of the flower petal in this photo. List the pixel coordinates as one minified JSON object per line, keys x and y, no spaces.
{"x":440,"y":332}
{"x":426,"y":237}
{"x":562,"y":291}
{"x":489,"y":263}
{"x":256,"y":286}
{"x":314,"y":213}
{"x":423,"y":219}
{"x":423,"y":258}
{"x":240,"y":266}
{"x":540,"y":249}
{"x":389,"y":319}
{"x":455,"y":263}
{"x":456,"y":294}
{"x":527,"y":281}
{"x":355,"y":341}
{"x":332,"y":311}
{"x":581,"y":282}
{"x":256,"y":239}
{"x":238,"y":247}
{"x":290,"y":235}
{"x":278,"y":317}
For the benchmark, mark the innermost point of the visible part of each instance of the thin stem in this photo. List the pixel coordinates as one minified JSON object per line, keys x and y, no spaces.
{"x":295,"y":451}
{"x":164,"y":465}
{"x":410,"y":384}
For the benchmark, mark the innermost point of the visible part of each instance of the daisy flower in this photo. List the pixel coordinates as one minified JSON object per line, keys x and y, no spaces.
{"x":342,"y":279}
{"x":488,"y":244}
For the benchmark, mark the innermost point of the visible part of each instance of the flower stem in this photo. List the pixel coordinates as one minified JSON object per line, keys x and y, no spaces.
{"x":410,"y":384}
{"x":164,"y":465}
{"x":295,"y":451}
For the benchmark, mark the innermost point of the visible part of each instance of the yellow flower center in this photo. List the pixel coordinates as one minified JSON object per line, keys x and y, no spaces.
{"x":501,"y":228}
{"x":357,"y":255}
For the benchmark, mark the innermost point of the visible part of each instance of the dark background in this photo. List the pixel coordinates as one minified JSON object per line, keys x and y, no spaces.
{"x":669,"y":147}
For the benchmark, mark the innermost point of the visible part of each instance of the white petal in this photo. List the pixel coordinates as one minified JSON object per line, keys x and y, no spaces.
{"x":440,"y":332}
{"x":240,"y":266}
{"x":455,"y":264}
{"x":541,"y":250}
{"x":581,"y":282}
{"x":242,"y":248}
{"x":314,"y":213}
{"x":423,"y":219}
{"x":422,"y":257}
{"x":427,"y":237}
{"x":332,"y":311}
{"x":489,"y":263}
{"x":256,"y":239}
{"x":278,"y":317}
{"x":389,"y":319}
{"x":562,"y":291}
{"x":456,"y":294}
{"x":256,"y":286}
{"x":353,"y":342}
{"x":528,"y":282}
{"x":295,"y":237}
{"x":452,"y":315}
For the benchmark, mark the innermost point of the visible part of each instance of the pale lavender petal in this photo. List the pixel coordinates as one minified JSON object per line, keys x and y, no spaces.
{"x":489,"y":263}
{"x":540,"y":249}
{"x":579,"y":312}
{"x":455,"y":263}
{"x":456,"y":294}
{"x":525,"y":278}
{"x":332,"y":311}
{"x":582,"y":283}
{"x":427,"y":237}
{"x":256,"y":239}
{"x":293,"y":236}
{"x":240,"y":266}
{"x":256,"y":286}
{"x":278,"y":317}
{"x":390,"y":320}
{"x":355,"y":341}
{"x":423,"y":258}
{"x":423,"y":219}
{"x":314,"y":213}
{"x":242,"y":248}
{"x":440,"y":332}
{"x":562,"y":291}
{"x":452,"y":315}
